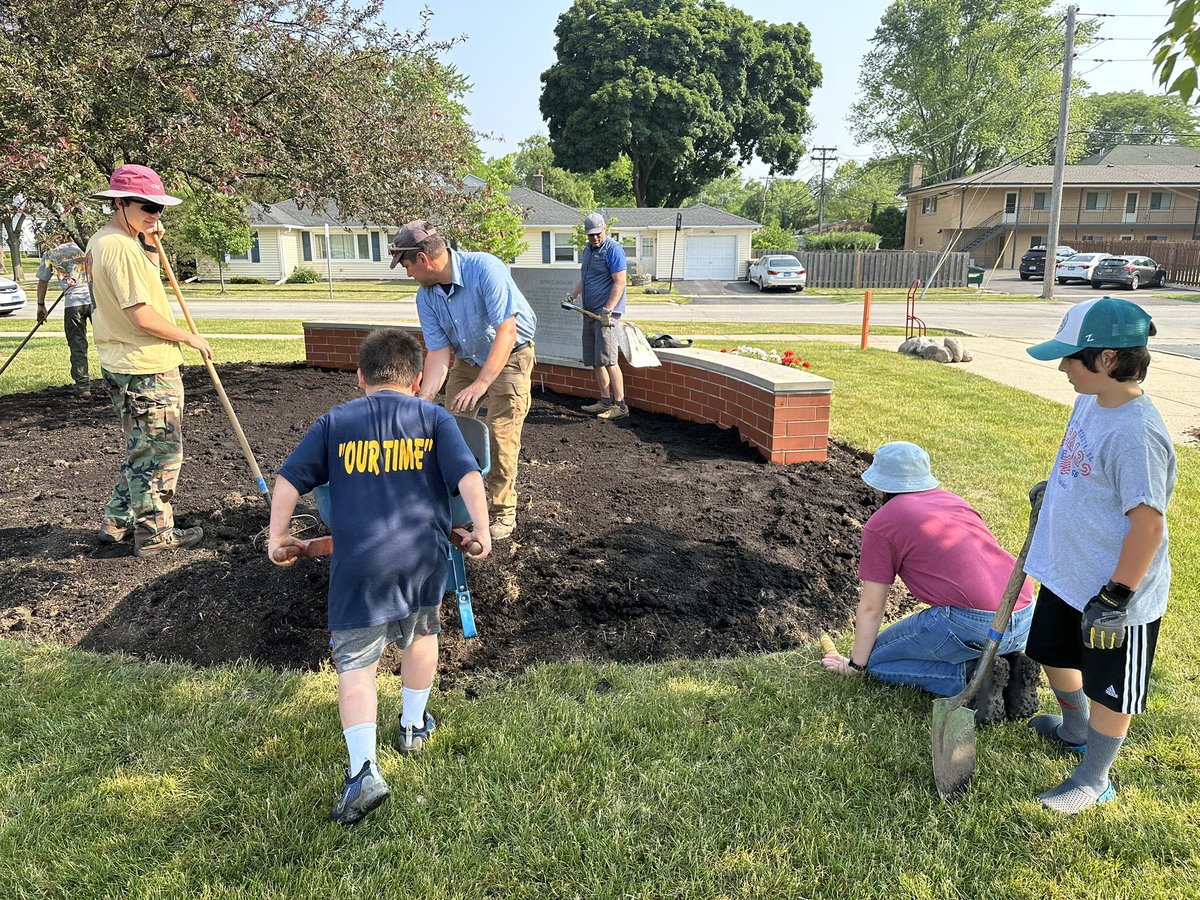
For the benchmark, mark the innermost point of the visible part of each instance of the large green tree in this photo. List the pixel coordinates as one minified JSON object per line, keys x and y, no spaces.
{"x":964,"y":85}
{"x":320,"y":101}
{"x":683,"y":88}
{"x":1135,"y":117}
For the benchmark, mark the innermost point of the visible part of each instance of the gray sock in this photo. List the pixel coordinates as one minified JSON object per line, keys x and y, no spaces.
{"x":1074,"y":729}
{"x":1092,"y":771}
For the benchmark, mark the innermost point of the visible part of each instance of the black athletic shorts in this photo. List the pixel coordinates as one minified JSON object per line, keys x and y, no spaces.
{"x":1117,"y":678}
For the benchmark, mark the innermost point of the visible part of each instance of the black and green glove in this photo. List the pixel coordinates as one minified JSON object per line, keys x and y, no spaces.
{"x":1104,"y":617}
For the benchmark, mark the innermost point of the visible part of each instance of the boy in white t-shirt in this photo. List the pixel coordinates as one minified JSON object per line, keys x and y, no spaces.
{"x":1100,"y":548}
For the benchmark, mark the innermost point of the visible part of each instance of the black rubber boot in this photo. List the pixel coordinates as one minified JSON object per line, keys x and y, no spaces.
{"x":988,"y":702}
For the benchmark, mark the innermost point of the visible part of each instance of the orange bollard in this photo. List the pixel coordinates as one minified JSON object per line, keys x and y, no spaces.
{"x":866,"y":328}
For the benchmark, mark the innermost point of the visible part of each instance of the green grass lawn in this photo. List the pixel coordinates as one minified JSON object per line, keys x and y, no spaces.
{"x":701,"y":327}
{"x":758,"y":777}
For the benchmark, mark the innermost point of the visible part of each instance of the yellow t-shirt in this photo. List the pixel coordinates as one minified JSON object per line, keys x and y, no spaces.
{"x":123,"y":276}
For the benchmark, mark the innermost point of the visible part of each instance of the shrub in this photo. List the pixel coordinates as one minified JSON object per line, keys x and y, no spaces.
{"x":301,"y":275}
{"x":842,"y":240}
{"x":786,"y":358}
{"x":773,"y":237}
{"x":247,"y":279}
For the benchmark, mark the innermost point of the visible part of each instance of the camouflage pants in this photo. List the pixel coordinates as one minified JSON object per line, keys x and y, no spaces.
{"x":75,"y":322}
{"x":150,"y":408}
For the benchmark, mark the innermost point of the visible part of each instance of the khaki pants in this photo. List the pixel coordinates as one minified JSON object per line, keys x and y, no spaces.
{"x":507,"y":401}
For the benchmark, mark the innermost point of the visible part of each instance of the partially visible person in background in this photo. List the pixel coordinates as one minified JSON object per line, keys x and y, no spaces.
{"x":64,"y":261}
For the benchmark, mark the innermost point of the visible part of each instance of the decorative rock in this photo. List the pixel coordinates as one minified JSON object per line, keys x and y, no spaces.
{"x":936,"y":353}
{"x":955,"y":347}
{"x":916,"y":346}
{"x":967,"y":355}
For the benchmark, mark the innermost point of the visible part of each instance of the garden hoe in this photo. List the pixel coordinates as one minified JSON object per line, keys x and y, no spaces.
{"x":300,"y":523}
{"x":21,"y":345}
{"x":953,"y":720}
{"x":259,"y":481}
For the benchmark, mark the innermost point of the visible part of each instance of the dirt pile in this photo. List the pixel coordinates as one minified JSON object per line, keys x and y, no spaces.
{"x":637,"y":540}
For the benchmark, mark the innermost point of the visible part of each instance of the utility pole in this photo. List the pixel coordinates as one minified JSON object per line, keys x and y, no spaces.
{"x":825,"y":157}
{"x":1060,"y":159}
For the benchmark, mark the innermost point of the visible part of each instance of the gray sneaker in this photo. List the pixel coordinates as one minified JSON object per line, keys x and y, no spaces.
{"x":411,"y":739}
{"x":175,"y":539}
{"x":360,"y":794}
{"x":598,"y":406}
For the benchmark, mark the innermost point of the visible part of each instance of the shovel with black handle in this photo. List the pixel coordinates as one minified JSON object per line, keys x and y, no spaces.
{"x":953,"y":720}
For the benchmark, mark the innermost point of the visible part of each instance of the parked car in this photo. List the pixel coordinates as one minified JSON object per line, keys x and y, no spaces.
{"x":1034,"y":261}
{"x":12,"y":297}
{"x":778,"y":272}
{"x":1077,"y":268}
{"x":1131,"y":271}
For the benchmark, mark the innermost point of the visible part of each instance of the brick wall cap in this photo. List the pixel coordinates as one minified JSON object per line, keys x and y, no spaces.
{"x":767,"y":375}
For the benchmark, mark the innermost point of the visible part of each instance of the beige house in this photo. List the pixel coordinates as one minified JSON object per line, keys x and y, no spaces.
{"x":710,"y":243}
{"x":1127,"y":193}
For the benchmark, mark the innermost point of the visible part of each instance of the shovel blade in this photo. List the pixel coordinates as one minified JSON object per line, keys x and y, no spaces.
{"x":953,"y":746}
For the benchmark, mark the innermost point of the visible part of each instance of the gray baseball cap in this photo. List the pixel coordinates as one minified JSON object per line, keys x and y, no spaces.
{"x":593,"y":224}
{"x":409,"y":238}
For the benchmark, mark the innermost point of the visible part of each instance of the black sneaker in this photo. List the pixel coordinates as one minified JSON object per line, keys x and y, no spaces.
{"x":175,"y":539}
{"x":411,"y":739}
{"x":1021,"y":693}
{"x":988,"y":702}
{"x":360,"y":794}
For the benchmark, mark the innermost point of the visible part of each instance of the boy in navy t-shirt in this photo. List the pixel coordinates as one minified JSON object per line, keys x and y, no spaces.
{"x":391,"y":461}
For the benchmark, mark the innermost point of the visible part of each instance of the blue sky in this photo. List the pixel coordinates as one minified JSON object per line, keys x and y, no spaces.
{"x":508,"y":46}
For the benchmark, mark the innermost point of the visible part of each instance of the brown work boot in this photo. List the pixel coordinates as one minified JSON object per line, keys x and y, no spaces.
{"x":175,"y":539}
{"x":502,"y":529}
{"x":110,"y":532}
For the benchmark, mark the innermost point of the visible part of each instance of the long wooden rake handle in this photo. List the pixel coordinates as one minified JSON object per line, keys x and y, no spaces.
{"x":21,"y":345}
{"x":259,"y":481}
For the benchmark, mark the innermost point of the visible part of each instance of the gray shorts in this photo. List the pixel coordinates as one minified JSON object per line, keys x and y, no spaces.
{"x":357,"y":648}
{"x":599,"y":343}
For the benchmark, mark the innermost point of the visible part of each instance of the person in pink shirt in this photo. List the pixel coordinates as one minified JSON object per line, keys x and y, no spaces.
{"x":947,"y":558}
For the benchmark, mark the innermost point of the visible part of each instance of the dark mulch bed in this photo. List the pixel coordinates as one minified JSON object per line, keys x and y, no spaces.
{"x":638,"y":540}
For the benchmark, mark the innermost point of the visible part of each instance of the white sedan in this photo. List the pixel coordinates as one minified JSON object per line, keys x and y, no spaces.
{"x":12,"y":297}
{"x":1078,"y":267}
{"x":778,"y":272}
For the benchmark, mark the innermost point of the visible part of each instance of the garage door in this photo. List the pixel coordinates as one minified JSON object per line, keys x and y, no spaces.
{"x":711,"y":256}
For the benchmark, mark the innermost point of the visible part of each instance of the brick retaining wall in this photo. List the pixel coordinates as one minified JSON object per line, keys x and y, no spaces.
{"x":782,"y":412}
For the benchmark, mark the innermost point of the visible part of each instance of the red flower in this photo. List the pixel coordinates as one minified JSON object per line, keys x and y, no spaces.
{"x":724,"y":350}
{"x":807,"y":366}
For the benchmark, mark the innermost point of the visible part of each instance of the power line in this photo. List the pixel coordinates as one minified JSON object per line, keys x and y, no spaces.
{"x":825,"y":157}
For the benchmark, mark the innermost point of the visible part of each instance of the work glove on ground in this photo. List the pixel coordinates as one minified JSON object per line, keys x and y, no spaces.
{"x":1104,"y":617}
{"x":607,"y":320}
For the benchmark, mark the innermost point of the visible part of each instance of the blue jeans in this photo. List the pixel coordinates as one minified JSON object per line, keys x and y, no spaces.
{"x":930,"y":648}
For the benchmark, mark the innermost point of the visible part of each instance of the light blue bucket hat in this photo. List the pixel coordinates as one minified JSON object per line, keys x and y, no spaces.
{"x":900,"y":468}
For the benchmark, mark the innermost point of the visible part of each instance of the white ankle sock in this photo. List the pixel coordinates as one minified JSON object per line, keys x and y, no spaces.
{"x":360,"y":744}
{"x":413,"y":710}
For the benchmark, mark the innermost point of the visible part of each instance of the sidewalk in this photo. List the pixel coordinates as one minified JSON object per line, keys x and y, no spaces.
{"x":1173,"y":382}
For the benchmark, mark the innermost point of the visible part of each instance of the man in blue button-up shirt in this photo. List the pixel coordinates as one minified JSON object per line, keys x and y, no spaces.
{"x":470,"y":309}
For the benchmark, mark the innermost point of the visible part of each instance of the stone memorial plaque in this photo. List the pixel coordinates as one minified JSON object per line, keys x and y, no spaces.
{"x":558,"y":330}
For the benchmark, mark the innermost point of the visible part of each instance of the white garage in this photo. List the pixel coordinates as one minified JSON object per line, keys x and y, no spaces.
{"x":711,"y":256}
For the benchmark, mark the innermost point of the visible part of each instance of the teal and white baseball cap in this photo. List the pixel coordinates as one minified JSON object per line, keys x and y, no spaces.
{"x":1107,"y":323}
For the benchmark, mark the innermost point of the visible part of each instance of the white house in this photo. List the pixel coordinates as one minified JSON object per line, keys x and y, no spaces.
{"x":708,"y":242}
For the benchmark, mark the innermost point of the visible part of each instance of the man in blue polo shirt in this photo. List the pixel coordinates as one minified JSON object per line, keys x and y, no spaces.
{"x":602,"y":284}
{"x":471,"y":309}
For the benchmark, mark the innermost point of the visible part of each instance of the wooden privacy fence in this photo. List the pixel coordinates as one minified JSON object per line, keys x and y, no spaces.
{"x":1182,"y":258}
{"x":877,"y":268}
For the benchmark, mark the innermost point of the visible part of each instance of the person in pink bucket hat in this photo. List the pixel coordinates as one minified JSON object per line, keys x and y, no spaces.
{"x":138,"y":344}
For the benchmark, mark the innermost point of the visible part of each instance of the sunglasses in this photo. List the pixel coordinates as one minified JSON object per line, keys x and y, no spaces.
{"x":151,"y":209}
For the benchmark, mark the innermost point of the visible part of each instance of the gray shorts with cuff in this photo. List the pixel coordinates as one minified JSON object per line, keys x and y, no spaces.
{"x":600,"y":346}
{"x":357,"y":648}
